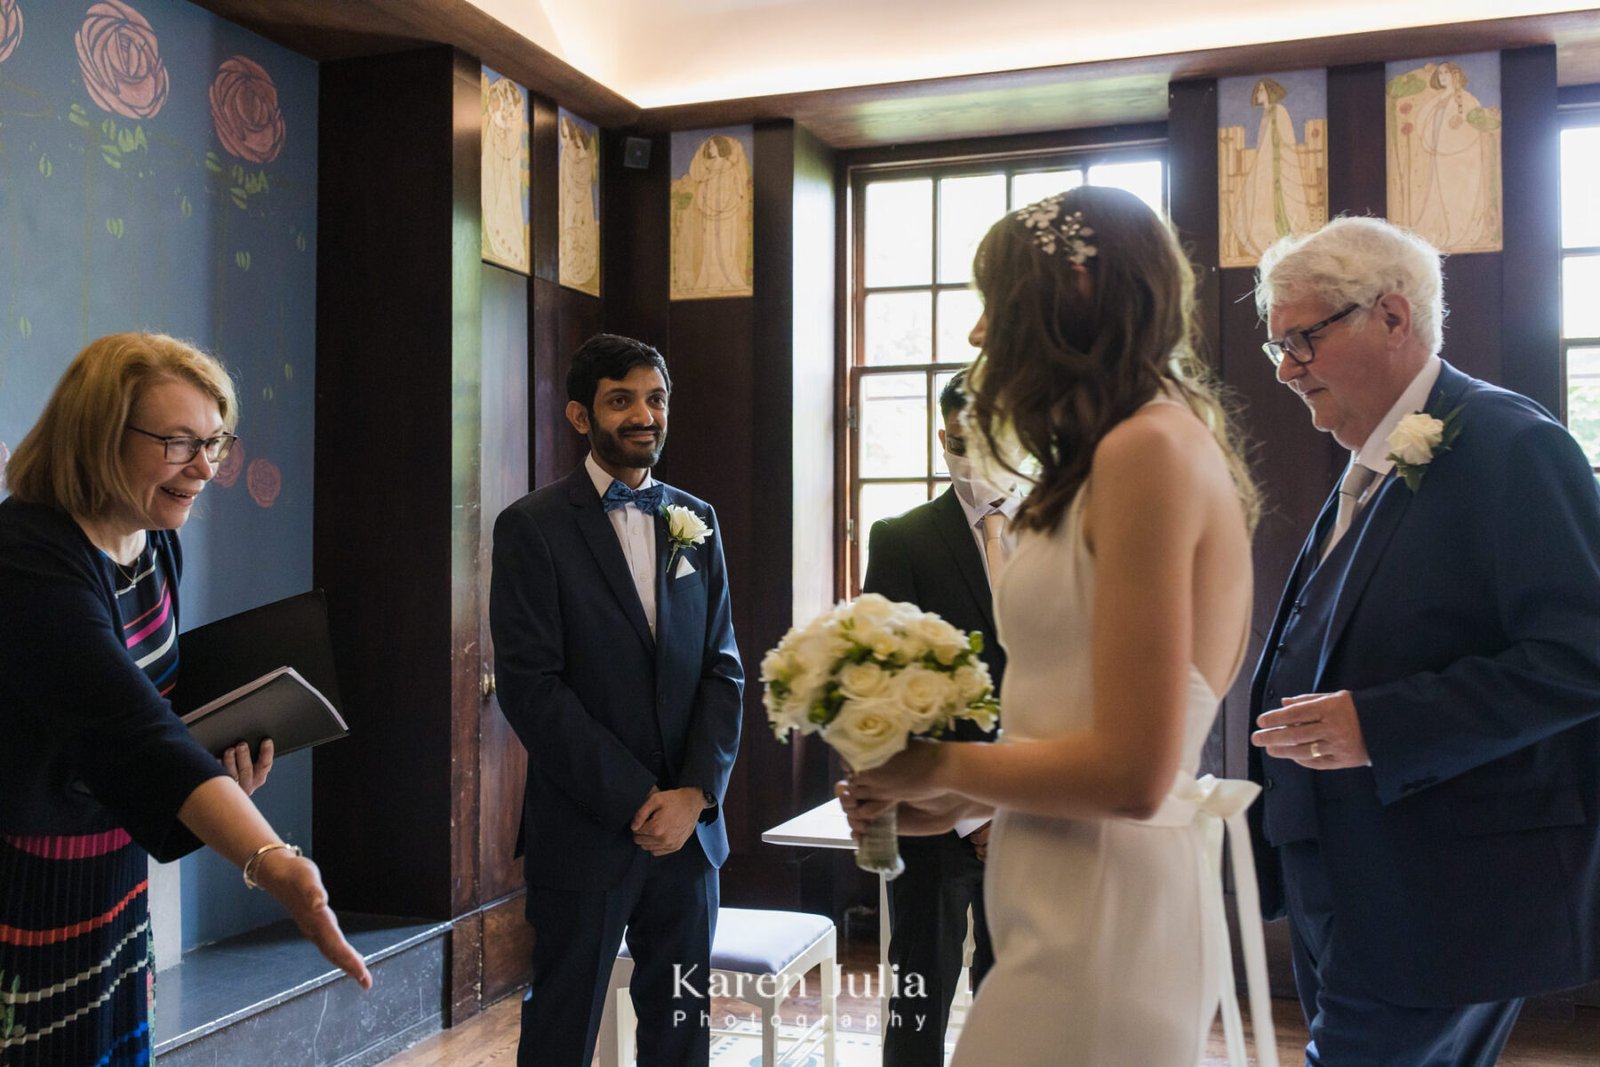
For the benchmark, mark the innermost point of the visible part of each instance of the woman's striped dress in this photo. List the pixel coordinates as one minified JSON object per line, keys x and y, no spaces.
{"x":75,"y":967}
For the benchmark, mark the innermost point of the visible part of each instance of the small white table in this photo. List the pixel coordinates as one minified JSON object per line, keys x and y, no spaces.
{"x":825,"y":826}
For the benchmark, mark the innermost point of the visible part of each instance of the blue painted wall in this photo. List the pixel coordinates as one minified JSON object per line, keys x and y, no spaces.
{"x":148,"y":180}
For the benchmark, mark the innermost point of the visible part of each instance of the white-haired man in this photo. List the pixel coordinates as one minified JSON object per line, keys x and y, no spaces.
{"x":1428,"y":702}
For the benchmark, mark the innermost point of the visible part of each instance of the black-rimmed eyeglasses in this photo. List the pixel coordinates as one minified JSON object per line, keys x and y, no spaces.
{"x":1296,"y":344}
{"x":183,"y":449}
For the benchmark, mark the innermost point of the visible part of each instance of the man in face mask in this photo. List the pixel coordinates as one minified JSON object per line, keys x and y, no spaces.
{"x":942,"y":557}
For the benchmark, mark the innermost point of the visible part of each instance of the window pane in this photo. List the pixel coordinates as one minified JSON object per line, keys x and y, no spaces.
{"x":967,"y":208}
{"x":1142,"y":178}
{"x":1580,"y":311}
{"x":894,"y":425}
{"x":1580,"y":196}
{"x":958,"y":314}
{"x":883,"y":502}
{"x":899,"y":232}
{"x":939,"y":466}
{"x":1583,"y":399}
{"x":898,"y":327}
{"x":1038,"y":184}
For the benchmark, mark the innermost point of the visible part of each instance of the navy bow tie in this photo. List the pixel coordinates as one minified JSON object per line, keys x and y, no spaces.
{"x":620,"y":496}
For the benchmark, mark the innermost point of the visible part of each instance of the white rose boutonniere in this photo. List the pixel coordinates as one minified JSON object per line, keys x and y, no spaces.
{"x":1417,"y":441}
{"x":684,"y":528}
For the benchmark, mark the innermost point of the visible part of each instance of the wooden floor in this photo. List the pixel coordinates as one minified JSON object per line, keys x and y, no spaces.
{"x":491,"y":1037}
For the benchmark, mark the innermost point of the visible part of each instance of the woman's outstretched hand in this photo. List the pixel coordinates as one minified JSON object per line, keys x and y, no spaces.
{"x":912,"y":775}
{"x":922,"y":819}
{"x":296,"y":884}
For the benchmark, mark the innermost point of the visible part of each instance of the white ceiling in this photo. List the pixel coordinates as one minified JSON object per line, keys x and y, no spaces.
{"x":659,"y":53}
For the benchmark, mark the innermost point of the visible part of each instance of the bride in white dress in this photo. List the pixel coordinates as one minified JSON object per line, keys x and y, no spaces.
{"x":1124,"y":613}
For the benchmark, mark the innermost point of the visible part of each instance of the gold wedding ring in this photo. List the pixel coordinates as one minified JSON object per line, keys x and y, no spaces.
{"x":1316,"y":750}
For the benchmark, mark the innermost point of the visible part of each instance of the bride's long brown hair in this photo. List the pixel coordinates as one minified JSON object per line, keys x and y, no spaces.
{"x":1064,"y":361}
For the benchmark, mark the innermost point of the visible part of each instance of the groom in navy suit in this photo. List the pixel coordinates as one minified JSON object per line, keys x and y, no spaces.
{"x":618,"y":669}
{"x":1428,"y":701}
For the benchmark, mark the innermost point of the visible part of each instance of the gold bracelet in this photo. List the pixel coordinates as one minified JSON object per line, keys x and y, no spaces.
{"x":251,"y":863}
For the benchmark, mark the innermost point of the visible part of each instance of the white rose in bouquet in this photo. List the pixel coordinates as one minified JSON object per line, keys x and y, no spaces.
{"x":868,"y":732}
{"x":925,"y":695}
{"x":858,"y":681}
{"x":868,"y":676}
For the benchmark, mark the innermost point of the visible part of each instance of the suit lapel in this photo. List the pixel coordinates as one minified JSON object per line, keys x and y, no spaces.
{"x":601,"y":538}
{"x":963,"y":547}
{"x":1378,"y":521}
{"x":664,"y":582}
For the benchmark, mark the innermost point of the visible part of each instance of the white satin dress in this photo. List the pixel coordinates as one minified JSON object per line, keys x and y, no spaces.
{"x":1107,"y":949}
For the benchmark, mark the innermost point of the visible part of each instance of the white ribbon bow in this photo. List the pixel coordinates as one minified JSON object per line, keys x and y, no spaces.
{"x":1213,"y":803}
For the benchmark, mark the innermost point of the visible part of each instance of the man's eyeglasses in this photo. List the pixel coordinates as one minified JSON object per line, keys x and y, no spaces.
{"x":1296,"y":344}
{"x":184,"y":449}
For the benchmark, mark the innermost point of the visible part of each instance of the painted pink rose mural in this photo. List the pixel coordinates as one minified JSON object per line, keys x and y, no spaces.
{"x":264,"y":481}
{"x":10,"y":27}
{"x":244,"y":110}
{"x":121,"y":61}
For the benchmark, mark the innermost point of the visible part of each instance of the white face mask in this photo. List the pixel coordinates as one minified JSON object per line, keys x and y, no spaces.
{"x":972,"y":488}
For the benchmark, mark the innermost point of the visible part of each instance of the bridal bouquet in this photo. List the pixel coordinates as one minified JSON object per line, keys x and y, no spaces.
{"x":868,"y":676}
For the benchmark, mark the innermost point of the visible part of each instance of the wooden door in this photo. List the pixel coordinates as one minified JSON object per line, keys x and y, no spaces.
{"x":504,"y":472}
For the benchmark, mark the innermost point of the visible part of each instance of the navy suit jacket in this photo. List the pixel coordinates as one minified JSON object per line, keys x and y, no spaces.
{"x":1465,"y":862}
{"x":928,"y":557}
{"x":605,"y":710}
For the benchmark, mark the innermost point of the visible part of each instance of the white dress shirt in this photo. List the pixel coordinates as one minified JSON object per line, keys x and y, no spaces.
{"x":637,"y":533}
{"x":1006,"y":506}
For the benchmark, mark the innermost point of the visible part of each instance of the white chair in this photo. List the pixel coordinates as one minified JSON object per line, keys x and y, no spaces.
{"x":761,"y":957}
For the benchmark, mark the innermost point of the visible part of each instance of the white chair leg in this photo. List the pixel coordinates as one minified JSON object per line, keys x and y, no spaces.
{"x":608,"y":1041}
{"x":830,"y":1002}
{"x":627,"y":1027}
{"x":768,"y":1006}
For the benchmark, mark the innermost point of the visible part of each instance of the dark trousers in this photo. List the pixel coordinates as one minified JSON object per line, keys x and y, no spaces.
{"x":928,"y":930}
{"x":668,"y":906}
{"x":1352,"y":1028}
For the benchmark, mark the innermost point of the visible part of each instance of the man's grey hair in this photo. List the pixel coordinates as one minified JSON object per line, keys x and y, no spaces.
{"x":1356,"y":261}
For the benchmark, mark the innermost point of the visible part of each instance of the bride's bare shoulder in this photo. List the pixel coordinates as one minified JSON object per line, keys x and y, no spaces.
{"x":1160,"y":433}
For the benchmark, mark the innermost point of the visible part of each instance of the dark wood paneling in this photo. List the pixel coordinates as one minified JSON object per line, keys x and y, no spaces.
{"x":768,"y":772}
{"x":1356,"y":167}
{"x":467,"y":449}
{"x":503,"y":764}
{"x":1577,"y":96}
{"x":507,"y":948}
{"x":1474,"y":326}
{"x":1529,"y":335}
{"x":634,"y":241}
{"x":383,"y":533}
{"x":562,"y":320}
{"x":545,"y":196}
{"x":466,"y":968}
{"x":1192,"y":198}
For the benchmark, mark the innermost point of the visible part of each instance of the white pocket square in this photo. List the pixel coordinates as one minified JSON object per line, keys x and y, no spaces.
{"x":684,"y":567}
